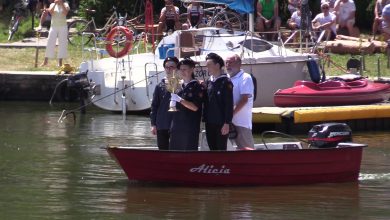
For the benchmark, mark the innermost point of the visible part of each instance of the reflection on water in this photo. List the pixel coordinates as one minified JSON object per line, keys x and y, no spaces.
{"x":243,"y":203}
{"x":61,"y":171}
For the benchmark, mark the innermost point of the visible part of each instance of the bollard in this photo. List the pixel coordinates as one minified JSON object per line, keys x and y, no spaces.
{"x":379,"y":67}
{"x":363,"y":62}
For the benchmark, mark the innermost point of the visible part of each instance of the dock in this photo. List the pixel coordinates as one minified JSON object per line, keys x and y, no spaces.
{"x":300,"y":119}
{"x":31,"y":86}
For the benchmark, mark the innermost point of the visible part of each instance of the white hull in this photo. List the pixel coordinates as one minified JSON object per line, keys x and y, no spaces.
{"x":274,"y":69}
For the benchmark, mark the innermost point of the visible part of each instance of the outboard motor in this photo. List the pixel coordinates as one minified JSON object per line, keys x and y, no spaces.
{"x":81,"y":83}
{"x":329,"y":135}
{"x":78,"y":81}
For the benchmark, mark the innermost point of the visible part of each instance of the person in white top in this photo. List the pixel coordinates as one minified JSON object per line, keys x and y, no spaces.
{"x":194,"y":16}
{"x":331,"y":4}
{"x":325,"y":21}
{"x":295,"y":21}
{"x":293,"y":5}
{"x":169,"y":18}
{"x":385,"y":25}
{"x":243,"y":102}
{"x":58,"y":29}
{"x":345,"y":12}
{"x":376,"y":25}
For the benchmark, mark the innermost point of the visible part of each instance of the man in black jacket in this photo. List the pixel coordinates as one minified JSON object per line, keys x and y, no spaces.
{"x":159,"y":116}
{"x":218,"y":107}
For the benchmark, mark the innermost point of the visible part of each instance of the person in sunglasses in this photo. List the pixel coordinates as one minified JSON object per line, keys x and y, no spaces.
{"x":189,"y":101}
{"x":160,"y":118}
{"x":218,"y":105}
{"x":325,"y":21}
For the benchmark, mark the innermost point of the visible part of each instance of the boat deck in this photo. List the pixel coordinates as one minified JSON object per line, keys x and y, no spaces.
{"x":359,"y":117}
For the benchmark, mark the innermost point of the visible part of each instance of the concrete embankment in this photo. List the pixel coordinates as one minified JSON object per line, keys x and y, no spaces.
{"x":31,"y":86}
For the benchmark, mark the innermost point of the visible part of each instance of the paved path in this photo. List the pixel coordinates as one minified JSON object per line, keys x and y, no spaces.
{"x":28,"y":42}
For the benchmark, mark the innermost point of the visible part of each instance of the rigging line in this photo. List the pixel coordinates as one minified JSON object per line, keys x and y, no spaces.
{"x":106,"y":96}
{"x":334,"y":63}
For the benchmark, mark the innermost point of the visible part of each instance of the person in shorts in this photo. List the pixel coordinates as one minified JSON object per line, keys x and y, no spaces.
{"x":325,"y":21}
{"x":345,"y":12}
{"x":268,"y":16}
{"x":169,"y":18}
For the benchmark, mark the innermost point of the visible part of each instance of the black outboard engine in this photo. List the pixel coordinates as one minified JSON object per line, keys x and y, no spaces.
{"x":329,"y":135}
{"x":78,"y":81}
{"x":81,"y":83}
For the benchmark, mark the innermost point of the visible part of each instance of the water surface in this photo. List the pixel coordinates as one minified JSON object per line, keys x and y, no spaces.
{"x":51,"y":170}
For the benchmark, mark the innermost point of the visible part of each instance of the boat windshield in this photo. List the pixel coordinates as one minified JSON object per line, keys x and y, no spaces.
{"x":256,"y":45}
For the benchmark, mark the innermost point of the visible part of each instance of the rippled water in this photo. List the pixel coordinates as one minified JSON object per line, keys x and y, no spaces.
{"x":51,"y":170}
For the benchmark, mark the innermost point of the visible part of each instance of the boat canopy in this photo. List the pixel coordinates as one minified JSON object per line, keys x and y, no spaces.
{"x":241,"y":6}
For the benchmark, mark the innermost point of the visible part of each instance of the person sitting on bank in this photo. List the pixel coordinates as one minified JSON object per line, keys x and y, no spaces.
{"x":331,"y":4}
{"x":385,"y":24}
{"x":218,"y":105}
{"x":169,"y":18}
{"x":189,"y":101}
{"x":268,"y":16}
{"x":325,"y":21}
{"x":345,"y":12}
{"x":194,"y":16}
{"x":243,"y":102}
{"x":160,"y":118}
{"x":377,"y":24}
{"x":293,"y":5}
{"x":295,"y":21}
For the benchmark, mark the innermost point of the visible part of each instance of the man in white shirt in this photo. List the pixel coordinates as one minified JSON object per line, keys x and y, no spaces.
{"x":345,"y":11}
{"x":243,"y":102}
{"x":325,"y":21}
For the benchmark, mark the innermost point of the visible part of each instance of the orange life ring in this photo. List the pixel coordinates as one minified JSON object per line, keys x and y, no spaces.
{"x":110,"y":38}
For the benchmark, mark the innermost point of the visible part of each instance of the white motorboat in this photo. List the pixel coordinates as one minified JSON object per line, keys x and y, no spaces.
{"x":127,"y":84}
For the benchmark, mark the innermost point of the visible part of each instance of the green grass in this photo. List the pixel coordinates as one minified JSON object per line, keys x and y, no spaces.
{"x":24,"y":59}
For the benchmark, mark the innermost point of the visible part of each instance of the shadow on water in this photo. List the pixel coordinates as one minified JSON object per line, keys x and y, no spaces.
{"x":292,"y":202}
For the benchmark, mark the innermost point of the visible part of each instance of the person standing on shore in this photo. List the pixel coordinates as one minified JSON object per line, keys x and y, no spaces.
{"x":218,"y":106}
{"x":58,"y":29}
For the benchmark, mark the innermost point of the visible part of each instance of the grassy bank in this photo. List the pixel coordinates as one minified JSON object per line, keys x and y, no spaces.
{"x":24,"y":59}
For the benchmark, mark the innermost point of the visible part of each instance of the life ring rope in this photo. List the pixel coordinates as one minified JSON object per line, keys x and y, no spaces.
{"x":111,"y":49}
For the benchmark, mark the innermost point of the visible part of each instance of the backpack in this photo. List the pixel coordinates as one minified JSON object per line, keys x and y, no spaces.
{"x":254,"y":80}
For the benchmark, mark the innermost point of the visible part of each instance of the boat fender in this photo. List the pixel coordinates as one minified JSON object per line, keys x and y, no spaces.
{"x":314,"y":70}
{"x":119,"y":30}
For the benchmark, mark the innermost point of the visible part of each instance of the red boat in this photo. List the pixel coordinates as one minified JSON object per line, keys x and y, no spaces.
{"x":287,"y":165}
{"x":332,"y":92}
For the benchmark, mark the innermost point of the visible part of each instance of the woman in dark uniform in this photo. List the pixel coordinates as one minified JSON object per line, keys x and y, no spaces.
{"x":218,"y":107}
{"x":160,"y":118}
{"x":186,"y":121}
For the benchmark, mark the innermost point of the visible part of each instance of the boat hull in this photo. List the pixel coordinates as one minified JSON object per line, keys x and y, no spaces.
{"x":309,"y":94}
{"x":241,"y":168}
